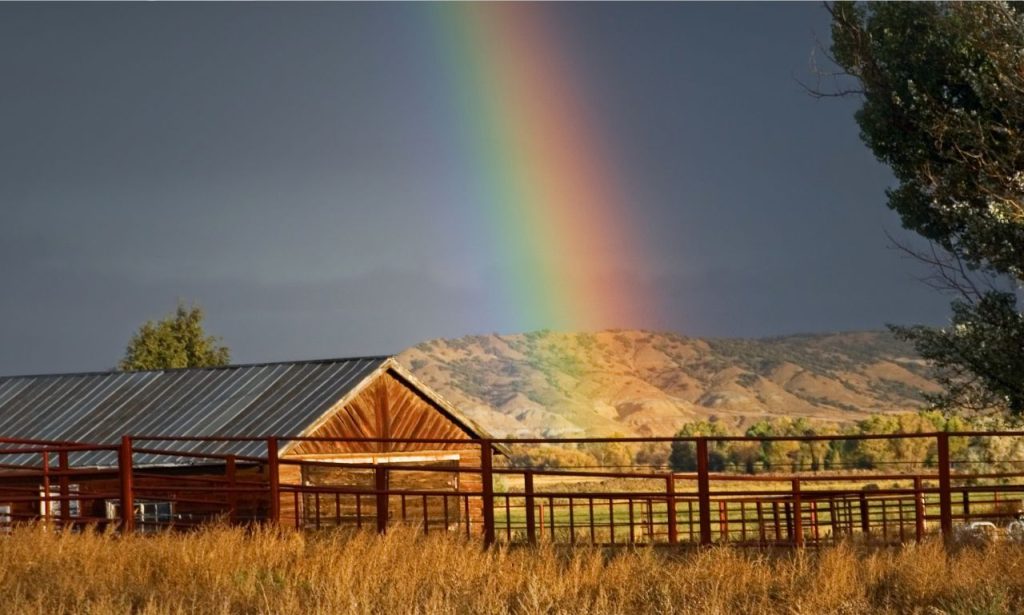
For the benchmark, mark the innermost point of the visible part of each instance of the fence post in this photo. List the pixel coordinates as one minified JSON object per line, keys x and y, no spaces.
{"x":46,"y":487}
{"x":798,"y":517}
{"x":380,"y":484}
{"x":723,"y":520}
{"x":65,"y":488}
{"x":124,"y":470}
{"x":814,"y":522}
{"x":670,"y":506}
{"x":918,"y":509}
{"x":945,"y":495}
{"x":787,"y":512}
{"x":531,"y":519}
{"x":865,"y":515}
{"x":230,"y":470}
{"x":703,"y":492}
{"x":487,"y":490}
{"x":274,"y":480}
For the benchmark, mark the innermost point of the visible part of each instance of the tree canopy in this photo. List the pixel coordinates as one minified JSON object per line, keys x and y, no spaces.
{"x":683,"y":456}
{"x":178,"y":340}
{"x":911,"y":455}
{"x":943,"y":105}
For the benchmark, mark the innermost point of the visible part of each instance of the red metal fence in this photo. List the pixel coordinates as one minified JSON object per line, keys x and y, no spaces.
{"x":181,"y":487}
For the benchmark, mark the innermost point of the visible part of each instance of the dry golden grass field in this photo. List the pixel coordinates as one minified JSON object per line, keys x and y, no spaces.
{"x":232,"y":570}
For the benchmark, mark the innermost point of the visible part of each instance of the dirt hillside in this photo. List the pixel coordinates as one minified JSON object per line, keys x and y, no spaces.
{"x":646,"y":383}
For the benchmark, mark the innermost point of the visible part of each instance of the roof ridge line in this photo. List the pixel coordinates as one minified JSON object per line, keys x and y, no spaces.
{"x":381,"y":358}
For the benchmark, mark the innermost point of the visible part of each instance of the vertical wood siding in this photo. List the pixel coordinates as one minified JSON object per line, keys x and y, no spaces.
{"x":386,"y":408}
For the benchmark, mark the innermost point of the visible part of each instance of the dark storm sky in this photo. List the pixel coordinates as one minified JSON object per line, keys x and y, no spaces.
{"x":271,"y":162}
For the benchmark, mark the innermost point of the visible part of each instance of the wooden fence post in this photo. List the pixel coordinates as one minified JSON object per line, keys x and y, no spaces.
{"x":703,"y":492}
{"x":531,"y":519}
{"x":274,"y":481}
{"x":670,"y":506}
{"x":124,"y":468}
{"x":380,"y":483}
{"x":945,"y":495}
{"x":487,"y":491}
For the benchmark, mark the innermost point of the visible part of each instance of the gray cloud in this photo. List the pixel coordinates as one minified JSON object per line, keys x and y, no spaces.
{"x":288,"y":165}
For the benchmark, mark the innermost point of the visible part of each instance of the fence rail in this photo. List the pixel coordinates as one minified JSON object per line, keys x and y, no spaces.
{"x":468,"y":486}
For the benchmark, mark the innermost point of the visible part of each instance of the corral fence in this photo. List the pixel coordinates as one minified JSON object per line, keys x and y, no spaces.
{"x":149,"y":483}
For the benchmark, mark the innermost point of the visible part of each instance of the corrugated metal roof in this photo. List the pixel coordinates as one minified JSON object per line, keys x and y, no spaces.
{"x":240,"y":400}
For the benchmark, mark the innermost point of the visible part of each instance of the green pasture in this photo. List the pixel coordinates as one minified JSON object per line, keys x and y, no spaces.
{"x":562,"y":515}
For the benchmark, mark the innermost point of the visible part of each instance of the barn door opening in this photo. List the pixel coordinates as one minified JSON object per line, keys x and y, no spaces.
{"x":427,"y":498}
{"x":339,"y":495}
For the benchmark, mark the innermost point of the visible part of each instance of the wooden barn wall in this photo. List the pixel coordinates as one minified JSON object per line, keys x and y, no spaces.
{"x":471,"y":482}
{"x":194,"y":502}
{"x":386,"y":408}
{"x":289,"y":474}
{"x":347,"y":509}
{"x":197,"y":504}
{"x":22,"y":496}
{"x":361,"y":507}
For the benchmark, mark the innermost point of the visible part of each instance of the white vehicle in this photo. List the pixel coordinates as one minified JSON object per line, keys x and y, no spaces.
{"x":977,"y":530}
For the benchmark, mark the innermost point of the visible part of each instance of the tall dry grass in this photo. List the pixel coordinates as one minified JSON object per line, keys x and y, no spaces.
{"x":231,"y":570}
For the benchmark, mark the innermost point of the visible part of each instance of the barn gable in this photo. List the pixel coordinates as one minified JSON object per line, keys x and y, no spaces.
{"x":387,"y":405}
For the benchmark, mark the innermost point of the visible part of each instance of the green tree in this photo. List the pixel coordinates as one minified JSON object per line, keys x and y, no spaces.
{"x":611,"y":455}
{"x":551,"y":457}
{"x":778,"y":454}
{"x":683,"y":457}
{"x":744,"y":455}
{"x":895,"y":454}
{"x":175,"y":341}
{"x":652,"y":454}
{"x":943,"y":105}
{"x":980,"y":356}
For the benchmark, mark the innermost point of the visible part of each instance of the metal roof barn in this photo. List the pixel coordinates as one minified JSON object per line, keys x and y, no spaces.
{"x":233,"y":401}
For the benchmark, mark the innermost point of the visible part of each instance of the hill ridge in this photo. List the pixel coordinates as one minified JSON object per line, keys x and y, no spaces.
{"x":638,"y":382}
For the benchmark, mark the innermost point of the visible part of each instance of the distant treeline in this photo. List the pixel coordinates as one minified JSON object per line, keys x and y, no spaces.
{"x":898,"y":455}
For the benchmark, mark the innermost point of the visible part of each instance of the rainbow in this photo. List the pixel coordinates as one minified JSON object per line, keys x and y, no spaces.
{"x":548,"y":196}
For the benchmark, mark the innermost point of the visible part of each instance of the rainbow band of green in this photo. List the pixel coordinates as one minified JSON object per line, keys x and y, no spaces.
{"x":554,"y":214}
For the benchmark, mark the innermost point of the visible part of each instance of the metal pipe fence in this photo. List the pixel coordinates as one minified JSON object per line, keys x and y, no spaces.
{"x":150,"y":483}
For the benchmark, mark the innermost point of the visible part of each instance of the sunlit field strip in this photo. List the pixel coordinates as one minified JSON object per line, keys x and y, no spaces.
{"x":891,"y":517}
{"x":220,"y":570}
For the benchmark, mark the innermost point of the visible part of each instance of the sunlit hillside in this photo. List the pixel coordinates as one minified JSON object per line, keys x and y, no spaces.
{"x":646,"y":383}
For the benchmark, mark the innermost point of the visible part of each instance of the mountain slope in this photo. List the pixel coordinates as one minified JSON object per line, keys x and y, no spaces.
{"x":645,"y":383}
